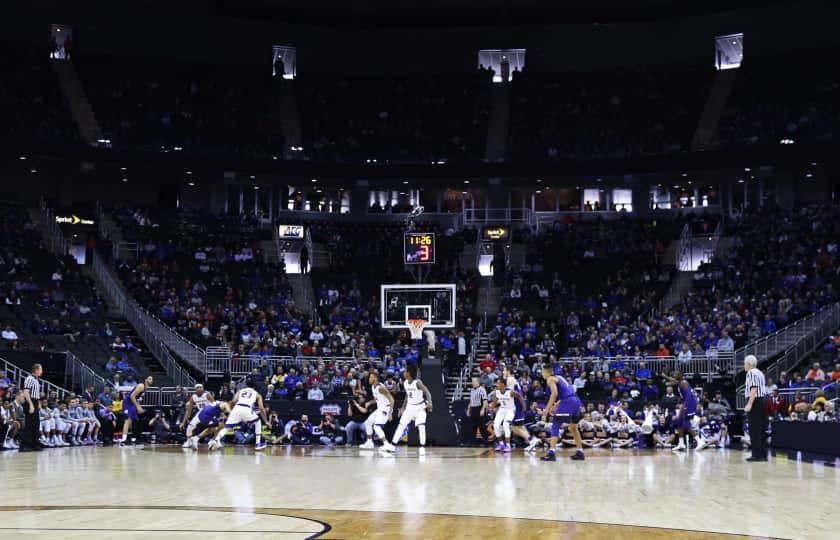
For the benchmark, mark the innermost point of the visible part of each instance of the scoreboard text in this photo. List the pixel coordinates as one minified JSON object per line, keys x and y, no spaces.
{"x":419,"y":248}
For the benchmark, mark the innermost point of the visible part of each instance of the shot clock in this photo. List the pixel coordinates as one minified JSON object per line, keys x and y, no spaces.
{"x":419,"y":248}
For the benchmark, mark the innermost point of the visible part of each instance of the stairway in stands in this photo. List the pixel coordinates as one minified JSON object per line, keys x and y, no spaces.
{"x":482,"y":349}
{"x":80,"y":108}
{"x":145,"y":362}
{"x":499,"y":123}
{"x":706,"y":133}
{"x":302,"y":292}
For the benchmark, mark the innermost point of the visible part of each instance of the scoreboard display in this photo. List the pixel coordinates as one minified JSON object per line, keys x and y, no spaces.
{"x":419,"y":248}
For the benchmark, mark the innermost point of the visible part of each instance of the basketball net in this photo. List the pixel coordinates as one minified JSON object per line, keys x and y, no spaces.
{"x":416,"y":326}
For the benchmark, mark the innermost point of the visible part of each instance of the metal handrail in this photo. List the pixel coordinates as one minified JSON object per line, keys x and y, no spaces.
{"x":147,"y":325}
{"x":708,"y":365}
{"x":794,"y":354}
{"x":80,"y":374}
{"x":768,"y":345}
{"x":223,"y":360}
{"x":809,"y":393}
{"x":17,"y":375}
{"x":56,"y":242}
{"x":466,"y":370}
{"x":498,"y":215}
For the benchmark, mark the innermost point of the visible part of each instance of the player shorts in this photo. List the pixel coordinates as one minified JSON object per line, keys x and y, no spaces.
{"x":518,"y":421}
{"x":685,"y":420}
{"x":241,"y":414}
{"x":379,"y":417}
{"x":131,"y":412}
{"x":566,"y":412}
{"x":503,"y":415}
{"x":414,"y":413}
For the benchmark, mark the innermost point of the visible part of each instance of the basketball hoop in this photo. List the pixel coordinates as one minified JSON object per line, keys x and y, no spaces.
{"x":416,"y":326}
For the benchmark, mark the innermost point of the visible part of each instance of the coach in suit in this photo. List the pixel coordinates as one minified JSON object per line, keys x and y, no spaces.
{"x":755,"y":389}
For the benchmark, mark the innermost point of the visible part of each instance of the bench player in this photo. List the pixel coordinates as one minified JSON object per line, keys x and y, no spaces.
{"x":246,"y":400}
{"x":382,"y":415}
{"x":418,"y":401}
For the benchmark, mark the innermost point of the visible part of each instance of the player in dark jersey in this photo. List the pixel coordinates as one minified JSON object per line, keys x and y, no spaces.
{"x":565,"y":407}
{"x":132,"y":408}
{"x":685,"y":416}
{"x":209,"y":422}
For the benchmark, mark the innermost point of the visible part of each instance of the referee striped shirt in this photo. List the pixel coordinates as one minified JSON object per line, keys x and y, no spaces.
{"x":477,"y":396}
{"x":33,"y":384}
{"x":755,"y":379}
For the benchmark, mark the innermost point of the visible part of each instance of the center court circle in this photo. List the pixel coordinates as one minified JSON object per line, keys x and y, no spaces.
{"x":156,"y":522}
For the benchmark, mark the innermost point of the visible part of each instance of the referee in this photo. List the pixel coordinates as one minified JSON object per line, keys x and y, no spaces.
{"x":756,"y":392}
{"x":32,"y":393}
{"x":476,"y":411}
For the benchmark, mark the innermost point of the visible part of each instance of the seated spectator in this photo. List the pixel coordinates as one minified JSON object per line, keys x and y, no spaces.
{"x":118,"y":344}
{"x":815,"y":374}
{"x":9,"y":335}
{"x":315,"y":394}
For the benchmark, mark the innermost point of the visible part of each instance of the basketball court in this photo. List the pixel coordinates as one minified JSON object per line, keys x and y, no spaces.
{"x":343,"y":493}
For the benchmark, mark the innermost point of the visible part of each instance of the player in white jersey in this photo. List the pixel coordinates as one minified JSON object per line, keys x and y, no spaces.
{"x":198,"y":400}
{"x":246,"y":400}
{"x":417,"y":402}
{"x":195,"y":403}
{"x":517,"y":427}
{"x":382,"y":415}
{"x":504,"y":402}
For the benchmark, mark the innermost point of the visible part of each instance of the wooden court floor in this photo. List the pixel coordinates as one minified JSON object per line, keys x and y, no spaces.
{"x":343,"y":493}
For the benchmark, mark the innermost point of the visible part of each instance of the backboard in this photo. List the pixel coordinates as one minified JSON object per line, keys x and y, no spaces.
{"x":434,"y":302}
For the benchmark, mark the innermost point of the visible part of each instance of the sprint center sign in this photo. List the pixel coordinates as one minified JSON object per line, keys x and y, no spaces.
{"x":73,"y":219}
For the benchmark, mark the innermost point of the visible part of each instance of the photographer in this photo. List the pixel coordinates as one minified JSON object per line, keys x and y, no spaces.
{"x":330,"y":434}
{"x":160,"y":428}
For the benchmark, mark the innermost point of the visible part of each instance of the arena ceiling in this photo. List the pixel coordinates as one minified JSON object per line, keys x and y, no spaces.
{"x":474,"y":12}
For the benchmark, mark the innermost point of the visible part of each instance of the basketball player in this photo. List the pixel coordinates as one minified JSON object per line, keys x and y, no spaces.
{"x":565,"y":405}
{"x":517,"y":427}
{"x":246,"y":400}
{"x":132,"y":408}
{"x":383,"y":413}
{"x":209,"y":422}
{"x":196,"y":402}
{"x":199,"y":400}
{"x":418,"y":400}
{"x":685,"y":415}
{"x":503,"y":402}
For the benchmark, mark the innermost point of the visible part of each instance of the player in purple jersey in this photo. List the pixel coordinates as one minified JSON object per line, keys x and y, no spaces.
{"x":209,"y":422}
{"x":132,"y":408}
{"x":565,"y":405}
{"x":686,"y":414}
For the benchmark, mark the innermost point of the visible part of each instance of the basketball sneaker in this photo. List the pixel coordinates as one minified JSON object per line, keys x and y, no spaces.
{"x":367,"y":445}
{"x":260,"y":445}
{"x":388,"y":447}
